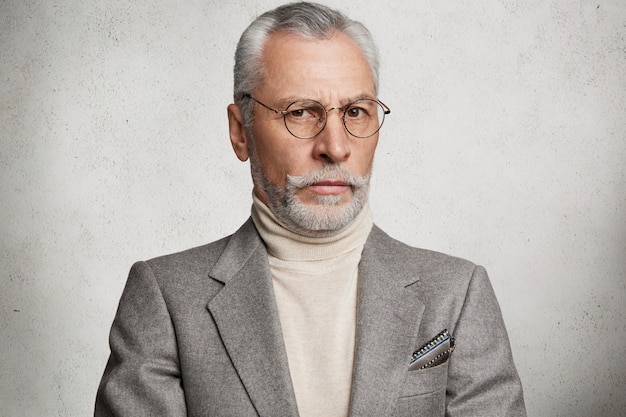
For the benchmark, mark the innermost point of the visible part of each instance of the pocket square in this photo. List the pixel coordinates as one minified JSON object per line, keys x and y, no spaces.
{"x":435,"y":352}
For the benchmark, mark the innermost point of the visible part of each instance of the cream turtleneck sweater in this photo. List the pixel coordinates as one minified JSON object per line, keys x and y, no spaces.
{"x":315,"y":283}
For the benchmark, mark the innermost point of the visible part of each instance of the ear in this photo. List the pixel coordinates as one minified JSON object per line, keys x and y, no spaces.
{"x":238,"y":134}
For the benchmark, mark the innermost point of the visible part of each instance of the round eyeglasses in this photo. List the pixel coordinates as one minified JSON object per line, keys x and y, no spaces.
{"x":305,"y":119}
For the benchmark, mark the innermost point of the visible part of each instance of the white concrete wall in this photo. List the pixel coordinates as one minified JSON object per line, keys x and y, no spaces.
{"x":506,"y":145}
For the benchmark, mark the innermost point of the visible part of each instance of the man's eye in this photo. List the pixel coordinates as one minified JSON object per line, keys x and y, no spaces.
{"x":354,"y":112}
{"x":306,"y":112}
{"x":299,"y":113}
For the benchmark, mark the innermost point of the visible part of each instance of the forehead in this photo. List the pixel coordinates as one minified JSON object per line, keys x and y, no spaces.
{"x":323,"y":69}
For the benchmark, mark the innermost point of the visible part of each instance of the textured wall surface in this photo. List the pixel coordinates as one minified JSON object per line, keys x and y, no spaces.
{"x":506,"y":145}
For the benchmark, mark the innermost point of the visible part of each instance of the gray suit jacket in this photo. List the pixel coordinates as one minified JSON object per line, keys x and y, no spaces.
{"x":197,"y":334}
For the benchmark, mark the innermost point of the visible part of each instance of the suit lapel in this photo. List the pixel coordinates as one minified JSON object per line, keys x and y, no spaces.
{"x":388,"y":318}
{"x":246,"y":316}
{"x":245,"y":313}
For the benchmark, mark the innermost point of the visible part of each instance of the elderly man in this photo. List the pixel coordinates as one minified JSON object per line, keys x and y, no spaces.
{"x":308,"y":309}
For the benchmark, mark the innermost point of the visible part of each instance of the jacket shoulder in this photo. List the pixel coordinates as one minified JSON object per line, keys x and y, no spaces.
{"x":422,"y":261}
{"x":438,"y":276}
{"x":201,"y":259}
{"x":198,"y":259}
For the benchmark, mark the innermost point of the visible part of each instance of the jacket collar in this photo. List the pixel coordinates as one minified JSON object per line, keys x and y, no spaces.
{"x":246,"y":315}
{"x":388,"y":318}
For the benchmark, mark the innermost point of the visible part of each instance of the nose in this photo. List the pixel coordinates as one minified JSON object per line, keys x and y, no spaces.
{"x":332,"y":144}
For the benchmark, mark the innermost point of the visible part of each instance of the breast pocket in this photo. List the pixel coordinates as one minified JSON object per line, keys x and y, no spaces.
{"x":425,"y":381}
{"x":423,"y":392}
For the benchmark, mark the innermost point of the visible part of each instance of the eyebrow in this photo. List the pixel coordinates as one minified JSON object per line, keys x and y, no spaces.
{"x":284,"y":102}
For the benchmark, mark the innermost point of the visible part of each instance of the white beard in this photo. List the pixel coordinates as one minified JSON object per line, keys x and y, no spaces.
{"x":321,"y":219}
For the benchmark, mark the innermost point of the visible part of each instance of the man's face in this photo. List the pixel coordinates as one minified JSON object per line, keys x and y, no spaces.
{"x":317,"y":185}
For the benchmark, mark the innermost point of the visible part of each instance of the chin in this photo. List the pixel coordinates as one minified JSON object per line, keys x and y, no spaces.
{"x":325,"y":215}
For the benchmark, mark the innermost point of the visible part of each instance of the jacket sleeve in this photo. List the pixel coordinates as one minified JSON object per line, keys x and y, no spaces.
{"x":482,"y":379}
{"x":142,"y":376}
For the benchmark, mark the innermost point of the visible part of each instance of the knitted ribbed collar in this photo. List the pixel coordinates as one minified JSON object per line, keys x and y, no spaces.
{"x":286,"y":245}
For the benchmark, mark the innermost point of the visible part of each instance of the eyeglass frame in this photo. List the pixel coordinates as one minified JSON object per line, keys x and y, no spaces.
{"x":386,"y":111}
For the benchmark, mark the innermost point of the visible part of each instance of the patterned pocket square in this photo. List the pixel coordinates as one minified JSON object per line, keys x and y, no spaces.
{"x":433,"y":353}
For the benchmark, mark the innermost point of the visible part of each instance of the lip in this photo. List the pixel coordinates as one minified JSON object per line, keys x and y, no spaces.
{"x":329,"y":187}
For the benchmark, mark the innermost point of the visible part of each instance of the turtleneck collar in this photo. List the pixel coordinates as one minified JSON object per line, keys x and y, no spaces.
{"x":283,"y":244}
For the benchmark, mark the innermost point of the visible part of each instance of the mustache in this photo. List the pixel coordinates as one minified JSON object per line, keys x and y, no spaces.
{"x":327,"y":172}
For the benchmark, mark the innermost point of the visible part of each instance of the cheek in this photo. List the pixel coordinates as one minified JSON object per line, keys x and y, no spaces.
{"x":364,"y":158}
{"x":279,"y":161}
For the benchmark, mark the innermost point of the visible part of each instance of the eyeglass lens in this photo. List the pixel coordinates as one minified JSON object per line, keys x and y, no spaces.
{"x":362,"y":118}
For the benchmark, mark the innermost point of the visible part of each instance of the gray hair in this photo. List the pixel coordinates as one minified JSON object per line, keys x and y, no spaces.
{"x":309,"y":20}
